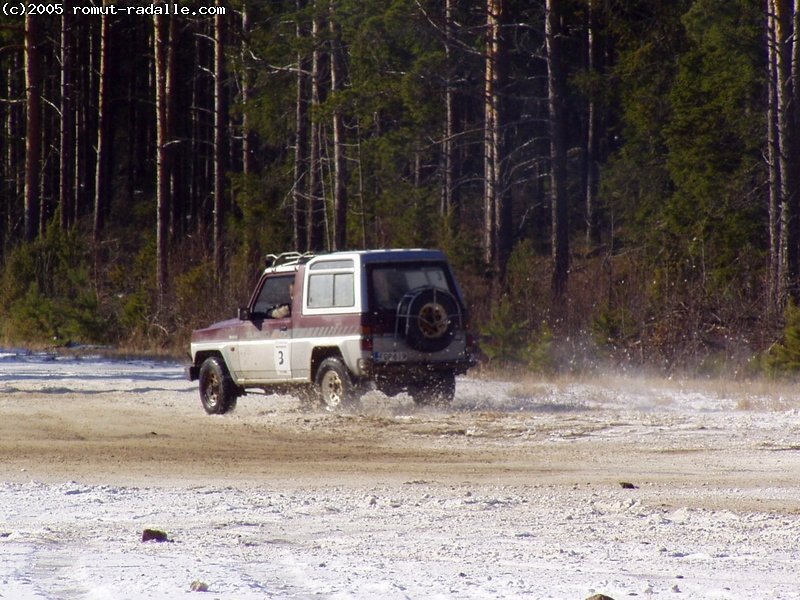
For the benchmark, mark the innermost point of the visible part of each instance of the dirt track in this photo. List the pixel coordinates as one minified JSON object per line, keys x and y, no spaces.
{"x":512,"y":492}
{"x":140,"y":432}
{"x":108,"y":437}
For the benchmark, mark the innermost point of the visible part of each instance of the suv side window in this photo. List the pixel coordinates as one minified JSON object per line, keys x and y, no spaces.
{"x":329,"y":290}
{"x":274,"y":292}
{"x":331,"y":284}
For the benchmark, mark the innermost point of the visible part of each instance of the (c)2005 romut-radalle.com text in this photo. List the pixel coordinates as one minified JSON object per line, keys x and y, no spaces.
{"x":23,"y":9}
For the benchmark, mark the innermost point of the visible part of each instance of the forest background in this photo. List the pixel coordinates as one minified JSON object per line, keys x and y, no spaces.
{"x":615,"y":181}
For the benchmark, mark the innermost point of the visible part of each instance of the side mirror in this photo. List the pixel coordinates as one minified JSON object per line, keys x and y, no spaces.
{"x":243,"y":313}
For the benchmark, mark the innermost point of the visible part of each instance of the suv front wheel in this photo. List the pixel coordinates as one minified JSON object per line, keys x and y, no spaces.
{"x":217,"y":390}
{"x":335,"y":384}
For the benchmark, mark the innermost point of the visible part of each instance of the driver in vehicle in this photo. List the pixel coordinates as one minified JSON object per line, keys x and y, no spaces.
{"x":283,"y":310}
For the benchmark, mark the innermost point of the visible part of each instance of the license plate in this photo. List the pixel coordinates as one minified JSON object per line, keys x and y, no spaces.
{"x":391,"y":356}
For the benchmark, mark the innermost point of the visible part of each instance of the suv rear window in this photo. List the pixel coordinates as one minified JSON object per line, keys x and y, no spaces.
{"x":390,"y":283}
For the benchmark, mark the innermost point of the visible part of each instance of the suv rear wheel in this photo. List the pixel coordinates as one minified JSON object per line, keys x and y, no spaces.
{"x":335,"y":384}
{"x":217,"y":390}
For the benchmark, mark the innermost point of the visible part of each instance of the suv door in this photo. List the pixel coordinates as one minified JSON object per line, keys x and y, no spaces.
{"x":265,"y":339}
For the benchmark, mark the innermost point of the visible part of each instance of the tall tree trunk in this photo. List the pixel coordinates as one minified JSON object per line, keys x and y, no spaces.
{"x":15,"y":153}
{"x":590,"y":191}
{"x":219,"y":142}
{"x":196,"y":163}
{"x":67,"y":129}
{"x":101,"y":185}
{"x":9,"y":166}
{"x":48,"y":176}
{"x":132,"y":149}
{"x":79,"y":152}
{"x":555,"y":99}
{"x":247,"y":83}
{"x":787,"y":144}
{"x":301,"y":146}
{"x":33,"y":125}
{"x":773,"y":153}
{"x":489,"y":152}
{"x":83,"y":119}
{"x":247,"y":134}
{"x":176,"y":194}
{"x":161,"y":32}
{"x":339,"y":165}
{"x":448,"y":144}
{"x":795,"y":54}
{"x":316,"y":212}
{"x":497,"y":202}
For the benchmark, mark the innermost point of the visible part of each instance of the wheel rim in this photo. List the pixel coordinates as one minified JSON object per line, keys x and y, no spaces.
{"x":433,"y":320}
{"x":211,"y":391}
{"x":332,"y":389}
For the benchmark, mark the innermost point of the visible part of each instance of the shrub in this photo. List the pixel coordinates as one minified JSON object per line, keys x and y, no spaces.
{"x":784,"y":356}
{"x":504,"y":335}
{"x":538,"y":353}
{"x":47,"y":292}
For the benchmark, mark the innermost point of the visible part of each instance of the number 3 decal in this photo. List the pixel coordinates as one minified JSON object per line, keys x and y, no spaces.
{"x":282,"y":358}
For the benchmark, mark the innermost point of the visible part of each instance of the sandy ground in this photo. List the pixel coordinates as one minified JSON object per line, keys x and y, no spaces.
{"x":513,"y":492}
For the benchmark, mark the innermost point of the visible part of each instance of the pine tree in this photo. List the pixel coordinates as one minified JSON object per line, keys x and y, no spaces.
{"x":33,"y":125}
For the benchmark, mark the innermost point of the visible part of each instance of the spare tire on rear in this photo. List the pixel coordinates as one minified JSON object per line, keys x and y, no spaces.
{"x":430,"y":317}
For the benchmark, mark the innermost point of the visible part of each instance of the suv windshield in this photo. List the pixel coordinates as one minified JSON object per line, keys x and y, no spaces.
{"x":390,"y":283}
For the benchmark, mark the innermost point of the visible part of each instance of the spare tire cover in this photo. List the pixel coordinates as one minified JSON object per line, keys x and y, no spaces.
{"x":430,"y":321}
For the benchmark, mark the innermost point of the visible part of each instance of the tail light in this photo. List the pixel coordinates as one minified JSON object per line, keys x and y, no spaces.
{"x":366,"y":338}
{"x":470,"y":342}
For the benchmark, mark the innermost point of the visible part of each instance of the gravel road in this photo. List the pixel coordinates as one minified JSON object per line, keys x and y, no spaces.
{"x":625,"y":486}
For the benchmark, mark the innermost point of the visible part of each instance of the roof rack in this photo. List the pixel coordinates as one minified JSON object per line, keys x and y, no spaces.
{"x":288,"y":258}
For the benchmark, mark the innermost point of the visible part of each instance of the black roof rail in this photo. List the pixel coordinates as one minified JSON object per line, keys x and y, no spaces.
{"x":288,"y":258}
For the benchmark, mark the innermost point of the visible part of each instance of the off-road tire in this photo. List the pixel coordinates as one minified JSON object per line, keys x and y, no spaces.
{"x":217,"y":391}
{"x":336,"y":387}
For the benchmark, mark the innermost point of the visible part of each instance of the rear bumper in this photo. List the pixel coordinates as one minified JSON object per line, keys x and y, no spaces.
{"x":393,"y":378}
{"x":406,"y":370}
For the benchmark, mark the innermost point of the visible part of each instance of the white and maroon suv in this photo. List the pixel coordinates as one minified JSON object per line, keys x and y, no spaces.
{"x":338,"y":324}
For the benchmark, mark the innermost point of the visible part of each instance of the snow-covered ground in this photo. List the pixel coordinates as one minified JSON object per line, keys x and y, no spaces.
{"x":513,"y":493}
